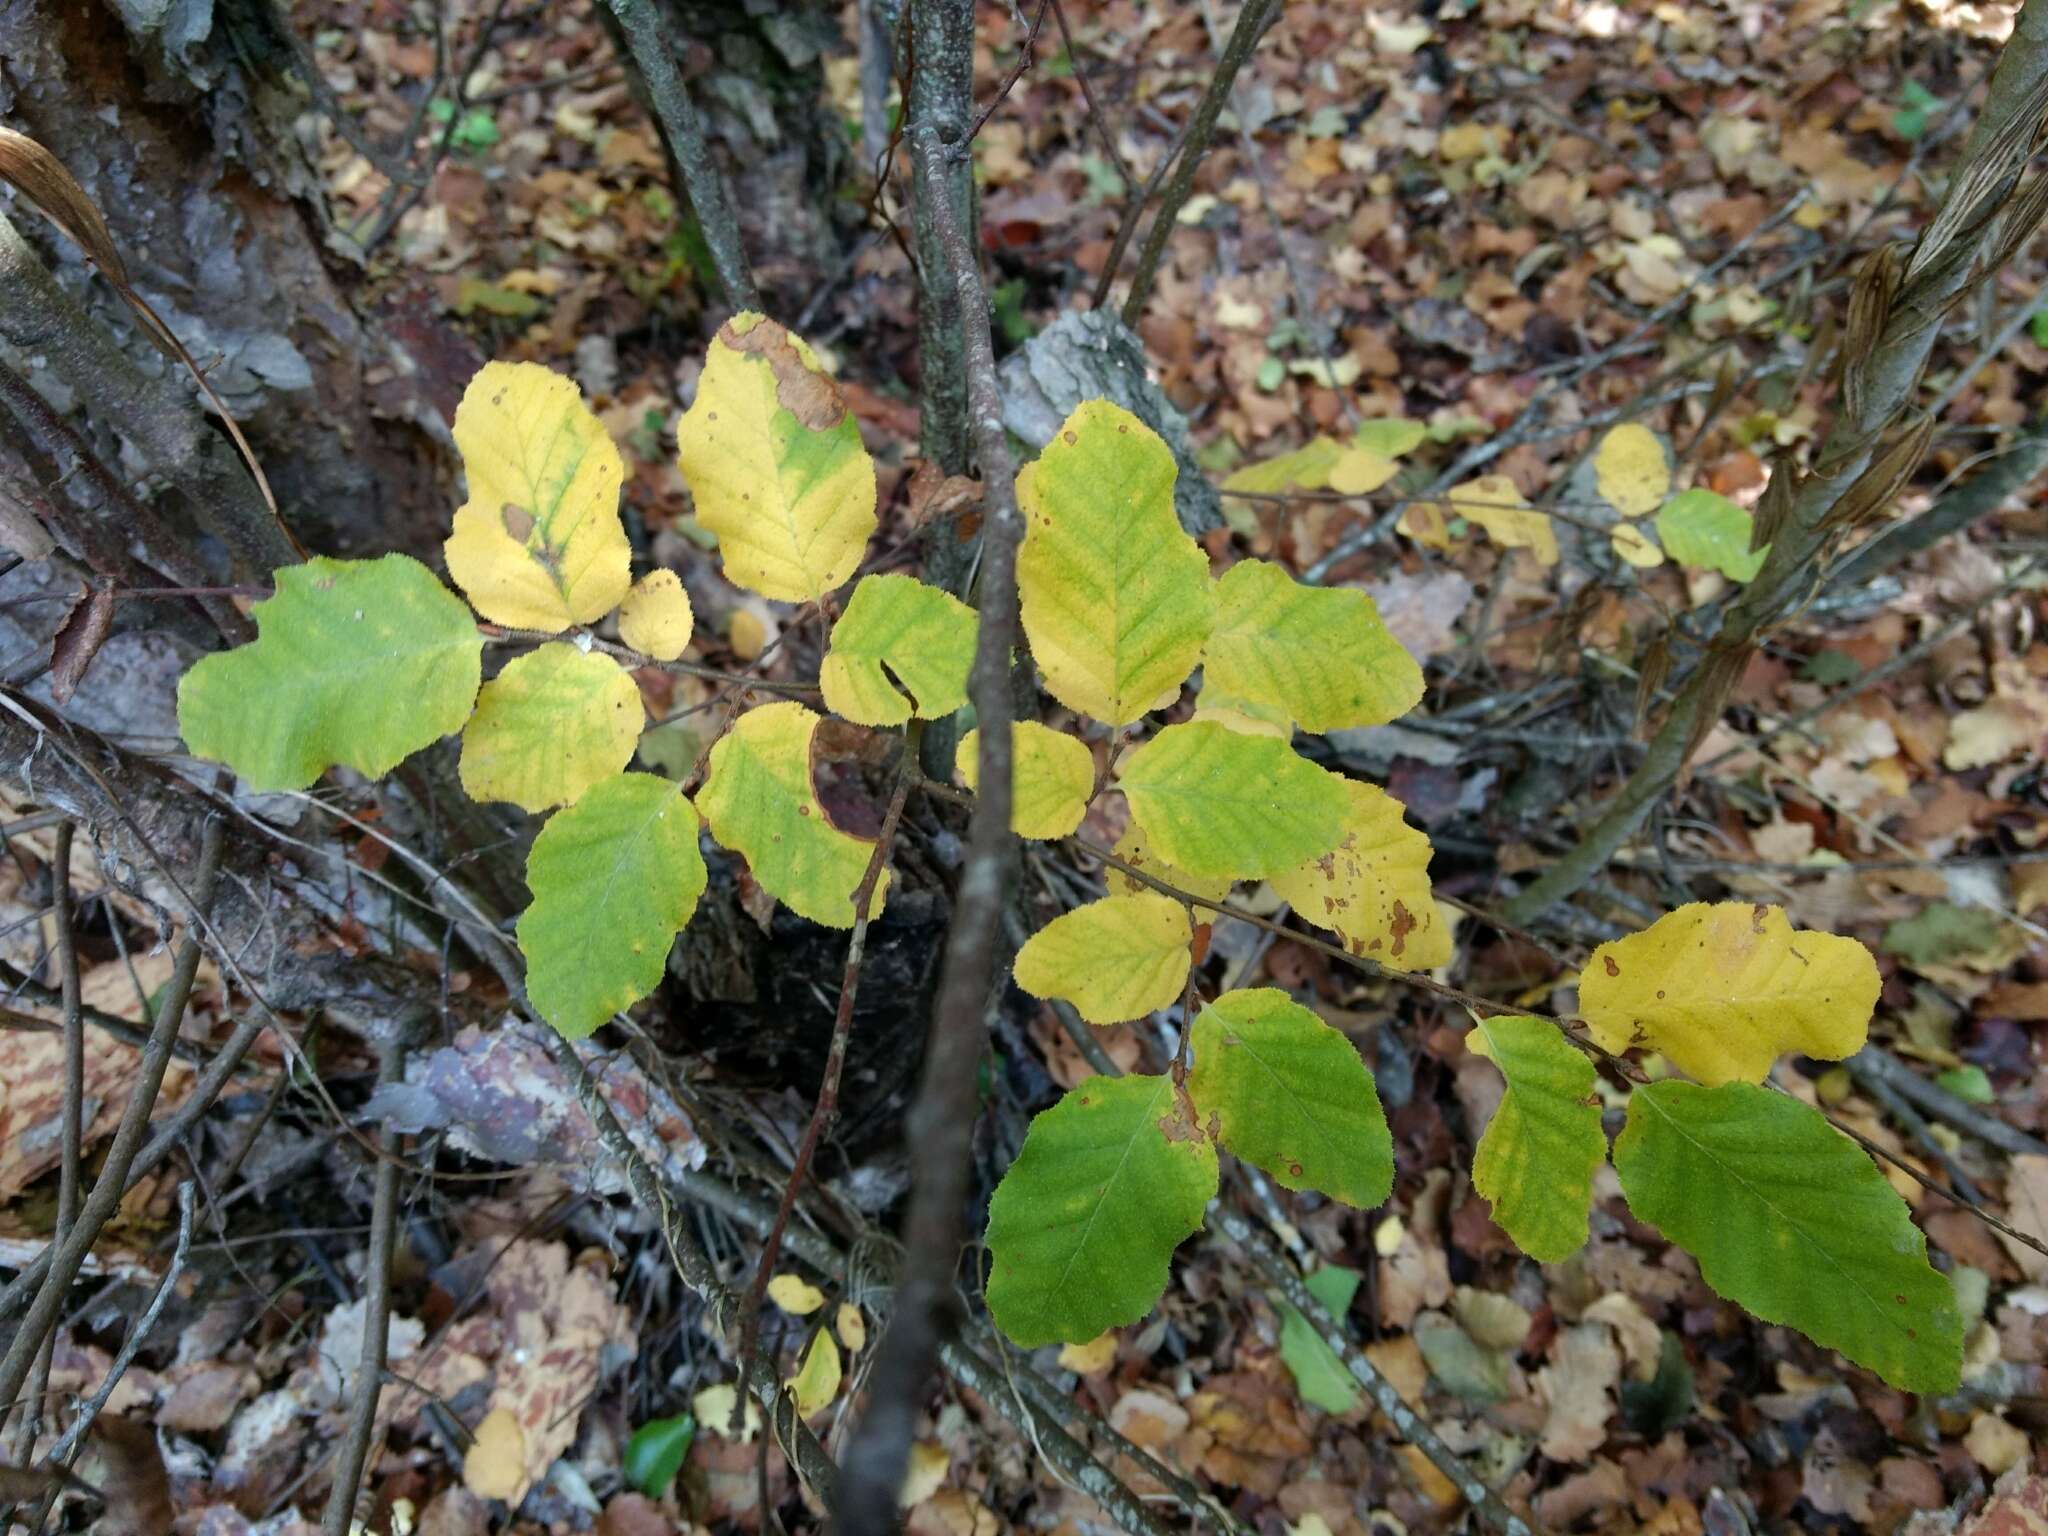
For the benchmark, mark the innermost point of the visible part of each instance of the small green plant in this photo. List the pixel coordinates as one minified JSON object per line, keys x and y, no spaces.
{"x":360,"y":663}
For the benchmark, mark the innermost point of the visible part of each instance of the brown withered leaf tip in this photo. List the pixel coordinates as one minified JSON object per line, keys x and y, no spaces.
{"x":812,"y":397}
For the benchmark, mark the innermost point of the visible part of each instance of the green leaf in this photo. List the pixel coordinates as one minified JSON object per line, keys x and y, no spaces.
{"x":1083,"y":1225}
{"x":1220,"y":803}
{"x":1942,"y":933}
{"x":1291,"y":1096}
{"x":759,"y":801}
{"x":1115,"y":959}
{"x":901,"y":648}
{"x":1790,"y":1220}
{"x":549,"y":726}
{"x":1322,"y":1378}
{"x":1372,"y":890}
{"x":355,"y":662}
{"x":1704,"y":528}
{"x":656,"y":1453}
{"x":1969,"y":1082}
{"x":1535,"y":1162}
{"x":2038,"y":325}
{"x":1114,"y":593}
{"x":1320,"y":654}
{"x":1052,"y":775}
{"x":775,"y":463}
{"x":538,"y":544}
{"x":614,"y":879}
{"x":1390,"y":437}
{"x":1654,"y":1408}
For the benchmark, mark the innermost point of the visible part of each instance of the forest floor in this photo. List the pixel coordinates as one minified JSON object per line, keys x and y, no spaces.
{"x":1614,"y":210}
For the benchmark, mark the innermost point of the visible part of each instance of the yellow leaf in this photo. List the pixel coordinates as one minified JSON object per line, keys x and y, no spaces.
{"x":746,"y":634}
{"x":1306,"y":468}
{"x":775,"y":463}
{"x":1428,"y":524}
{"x":1372,"y":890}
{"x":538,"y":544}
{"x":816,"y":1381}
{"x":1134,"y":849}
{"x":1092,"y":1358}
{"x":1465,"y":141}
{"x":1115,"y":959}
{"x":1359,"y":470}
{"x":549,"y":726}
{"x":655,"y":618}
{"x":926,"y":1474}
{"x":494,"y":1467}
{"x":1631,"y":470}
{"x":713,"y":1408}
{"x":851,"y":1327}
{"x":1723,"y":989}
{"x":1249,"y":716}
{"x":1631,"y":544}
{"x":1114,"y":593}
{"x":1495,"y":503}
{"x":758,"y":801}
{"x":795,"y":1295}
{"x":1052,"y":775}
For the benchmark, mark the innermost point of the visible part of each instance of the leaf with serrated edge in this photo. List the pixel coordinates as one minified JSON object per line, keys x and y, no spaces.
{"x":549,"y":726}
{"x":901,"y":648}
{"x":1114,"y":594}
{"x":355,"y":662}
{"x":775,"y":463}
{"x":1725,"y":988}
{"x":1289,"y":1094}
{"x":1535,"y":1161}
{"x":1372,"y":890}
{"x":1630,"y":469}
{"x":1704,"y":528}
{"x":1083,"y":1226}
{"x":614,"y":879}
{"x":1221,"y":803}
{"x":1115,"y":959}
{"x":1320,"y":654}
{"x":759,"y":801}
{"x":1790,"y":1220}
{"x":538,"y":544}
{"x":1052,"y":775}
{"x":656,"y":618}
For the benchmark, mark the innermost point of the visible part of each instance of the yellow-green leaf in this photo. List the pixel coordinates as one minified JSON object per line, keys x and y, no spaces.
{"x":817,"y":1379}
{"x":1323,"y":463}
{"x":1115,"y":595}
{"x":1318,"y":654}
{"x":759,"y":801}
{"x":901,"y":648}
{"x":356,"y":662}
{"x":1534,"y":1164}
{"x":1082,"y":1228}
{"x":538,"y":544}
{"x":1290,"y":1095}
{"x":1135,"y":850}
{"x":1704,"y":528}
{"x":1115,"y":959}
{"x":775,"y":463}
{"x":656,"y":618}
{"x":1372,"y":889}
{"x":1390,"y":437}
{"x":1218,"y":802}
{"x":795,"y":1295}
{"x":1724,"y":988}
{"x":614,"y":879}
{"x":1630,"y":469}
{"x":1052,"y":775}
{"x":549,"y":726}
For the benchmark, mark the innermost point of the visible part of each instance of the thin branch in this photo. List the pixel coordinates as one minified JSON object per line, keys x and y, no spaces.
{"x":826,"y":1110}
{"x":653,"y":51}
{"x":942,"y":1120}
{"x":1252,"y":22}
{"x":362,"y":1414}
{"x":105,"y":1199}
